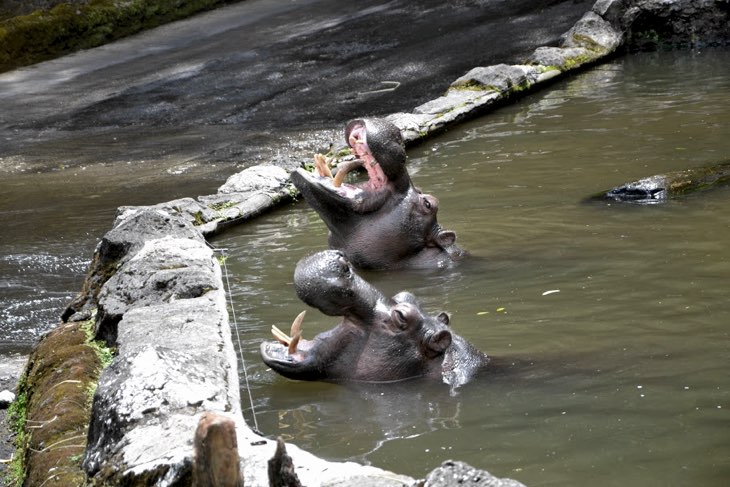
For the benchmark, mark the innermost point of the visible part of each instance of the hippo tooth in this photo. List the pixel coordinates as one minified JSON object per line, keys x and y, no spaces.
{"x":293,"y":344}
{"x":280,"y":335}
{"x":296,"y":326}
{"x":322,"y":166}
{"x":343,"y":170}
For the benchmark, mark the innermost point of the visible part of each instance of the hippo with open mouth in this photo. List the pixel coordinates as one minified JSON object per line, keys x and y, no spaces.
{"x":384,"y":222}
{"x":378,"y":339}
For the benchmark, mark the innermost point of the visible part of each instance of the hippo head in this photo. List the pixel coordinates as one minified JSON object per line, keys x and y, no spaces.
{"x":377,"y":340}
{"x":384,"y":222}
{"x":378,"y":148}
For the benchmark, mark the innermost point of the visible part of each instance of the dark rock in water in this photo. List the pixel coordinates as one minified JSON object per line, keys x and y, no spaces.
{"x":452,"y":473}
{"x":663,"y":187}
{"x":651,"y":24}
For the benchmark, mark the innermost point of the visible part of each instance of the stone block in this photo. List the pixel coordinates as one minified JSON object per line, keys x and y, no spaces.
{"x":594,"y":33}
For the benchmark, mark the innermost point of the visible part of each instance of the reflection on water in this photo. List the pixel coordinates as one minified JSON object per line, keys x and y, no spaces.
{"x":608,"y":323}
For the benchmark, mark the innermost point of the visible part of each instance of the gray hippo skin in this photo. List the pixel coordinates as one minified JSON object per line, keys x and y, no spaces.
{"x":378,"y":339}
{"x":385,"y":222}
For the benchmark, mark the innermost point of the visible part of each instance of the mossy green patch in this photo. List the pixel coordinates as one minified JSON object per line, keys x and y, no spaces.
{"x":473,"y":85}
{"x":52,"y":410}
{"x":65,"y":28}
{"x":17,"y":416}
{"x":589,"y":43}
{"x":198,"y":219}
{"x":576,"y":61}
{"x":223,"y":205}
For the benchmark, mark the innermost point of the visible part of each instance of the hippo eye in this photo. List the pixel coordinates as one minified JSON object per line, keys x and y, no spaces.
{"x":427,"y":203}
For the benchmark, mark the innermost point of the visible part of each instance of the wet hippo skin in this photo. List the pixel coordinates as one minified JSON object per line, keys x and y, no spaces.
{"x":384,"y":222}
{"x":378,"y":339}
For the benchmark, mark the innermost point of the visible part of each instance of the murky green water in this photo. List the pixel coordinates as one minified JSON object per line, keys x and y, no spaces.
{"x":618,"y":378}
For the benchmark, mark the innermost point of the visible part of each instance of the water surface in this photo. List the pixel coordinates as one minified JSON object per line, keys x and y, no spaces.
{"x":612,"y":320}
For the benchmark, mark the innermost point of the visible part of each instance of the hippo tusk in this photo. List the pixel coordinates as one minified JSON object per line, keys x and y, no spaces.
{"x":320,"y":162}
{"x":293,"y":344}
{"x":280,"y":335}
{"x":343,"y":169}
{"x":292,"y":340}
{"x":296,"y":326}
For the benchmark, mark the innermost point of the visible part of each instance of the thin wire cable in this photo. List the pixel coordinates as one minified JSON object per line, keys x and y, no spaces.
{"x":238,"y":337}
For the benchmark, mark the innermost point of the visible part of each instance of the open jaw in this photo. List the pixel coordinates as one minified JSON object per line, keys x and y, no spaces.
{"x":289,"y":350}
{"x":294,"y":357}
{"x":376,"y":181}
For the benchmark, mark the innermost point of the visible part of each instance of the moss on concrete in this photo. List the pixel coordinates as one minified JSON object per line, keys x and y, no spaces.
{"x":68,"y":27}
{"x":52,"y":411}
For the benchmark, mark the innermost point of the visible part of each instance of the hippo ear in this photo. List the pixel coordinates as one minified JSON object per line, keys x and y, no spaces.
{"x":438,"y":343}
{"x":445,"y":238}
{"x":444,"y":318}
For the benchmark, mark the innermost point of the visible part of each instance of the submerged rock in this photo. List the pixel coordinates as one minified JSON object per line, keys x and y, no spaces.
{"x":663,"y":187}
{"x":452,"y":473}
{"x":6,"y":397}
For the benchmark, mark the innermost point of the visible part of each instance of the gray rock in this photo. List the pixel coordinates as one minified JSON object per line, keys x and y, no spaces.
{"x":131,"y":230}
{"x":189,"y":209}
{"x":594,"y":33}
{"x":500,"y":77}
{"x":614,"y":12}
{"x":411,"y":125}
{"x":6,"y":397}
{"x":175,"y":360}
{"x":162,"y":271}
{"x":563,"y":58}
{"x":453,"y":100}
{"x":254,"y":179}
{"x":660,"y":188}
{"x":452,"y":473}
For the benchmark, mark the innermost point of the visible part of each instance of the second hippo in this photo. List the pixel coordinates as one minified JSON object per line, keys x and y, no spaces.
{"x":384,"y":222}
{"x":378,"y":339}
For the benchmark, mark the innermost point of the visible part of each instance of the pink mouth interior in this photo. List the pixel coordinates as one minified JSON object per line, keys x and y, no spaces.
{"x":376,"y":177}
